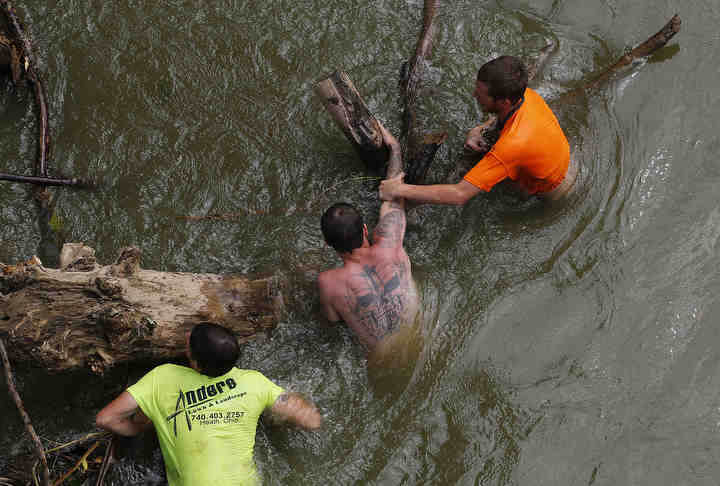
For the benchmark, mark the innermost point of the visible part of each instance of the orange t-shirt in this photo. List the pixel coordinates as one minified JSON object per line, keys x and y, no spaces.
{"x":532,"y":150}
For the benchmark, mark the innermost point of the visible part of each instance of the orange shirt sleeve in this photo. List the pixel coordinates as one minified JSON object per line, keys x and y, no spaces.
{"x":486,"y":173}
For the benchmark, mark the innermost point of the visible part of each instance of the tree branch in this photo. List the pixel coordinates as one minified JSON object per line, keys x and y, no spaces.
{"x":38,"y":86}
{"x":39,"y":449}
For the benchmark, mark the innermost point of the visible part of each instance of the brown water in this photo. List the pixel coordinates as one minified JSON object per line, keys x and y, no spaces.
{"x":563,"y":346}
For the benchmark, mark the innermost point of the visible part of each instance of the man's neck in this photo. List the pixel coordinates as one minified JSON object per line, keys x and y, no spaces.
{"x":507,"y":108}
{"x":355,"y":256}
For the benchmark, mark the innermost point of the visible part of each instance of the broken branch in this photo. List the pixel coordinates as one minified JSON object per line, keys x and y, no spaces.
{"x":38,"y":86}
{"x":39,"y":450}
{"x":349,"y":111}
{"x":41,"y":181}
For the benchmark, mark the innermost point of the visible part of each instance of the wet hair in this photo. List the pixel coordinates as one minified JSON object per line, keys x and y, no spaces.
{"x":342,"y":227}
{"x":505,"y":77}
{"x":214,"y":348}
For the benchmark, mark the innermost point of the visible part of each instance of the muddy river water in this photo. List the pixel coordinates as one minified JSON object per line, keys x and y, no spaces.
{"x":566,"y":345}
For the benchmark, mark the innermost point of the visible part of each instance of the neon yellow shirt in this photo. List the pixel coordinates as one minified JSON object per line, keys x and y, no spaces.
{"x":206,"y":426}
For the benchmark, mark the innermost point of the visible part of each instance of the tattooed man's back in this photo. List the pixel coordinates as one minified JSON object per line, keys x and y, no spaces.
{"x":373,"y":292}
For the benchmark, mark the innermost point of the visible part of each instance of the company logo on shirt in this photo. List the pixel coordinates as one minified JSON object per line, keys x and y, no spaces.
{"x":191,"y":401}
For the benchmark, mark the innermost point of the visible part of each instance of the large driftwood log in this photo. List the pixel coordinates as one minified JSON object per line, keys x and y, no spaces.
{"x":349,"y":111}
{"x":86,"y":315}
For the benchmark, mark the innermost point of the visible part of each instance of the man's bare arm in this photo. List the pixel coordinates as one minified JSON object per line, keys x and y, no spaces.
{"x":390,"y":229}
{"x":294,"y":408}
{"x":453,"y":194}
{"x":395,"y":161}
{"x":123,"y":416}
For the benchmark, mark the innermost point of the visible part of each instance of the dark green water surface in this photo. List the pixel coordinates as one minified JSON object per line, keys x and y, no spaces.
{"x":569,"y":345}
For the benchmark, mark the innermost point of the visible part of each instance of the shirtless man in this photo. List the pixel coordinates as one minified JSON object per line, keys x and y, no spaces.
{"x":532,"y":151}
{"x":373,"y":292}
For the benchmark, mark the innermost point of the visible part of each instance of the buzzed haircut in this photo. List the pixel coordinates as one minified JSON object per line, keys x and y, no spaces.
{"x":342,"y":227}
{"x":505,"y":77}
{"x":214,"y":348}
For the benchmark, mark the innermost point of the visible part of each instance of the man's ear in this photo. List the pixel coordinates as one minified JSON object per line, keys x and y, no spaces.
{"x":506,"y":103}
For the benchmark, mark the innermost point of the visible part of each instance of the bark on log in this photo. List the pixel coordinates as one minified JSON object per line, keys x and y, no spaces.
{"x":86,"y":315}
{"x":418,"y":149}
{"x":345,"y":105}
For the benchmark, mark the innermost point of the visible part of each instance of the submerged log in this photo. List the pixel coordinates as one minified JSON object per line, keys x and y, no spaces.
{"x":418,"y":148}
{"x":643,"y":50}
{"x":345,"y":105}
{"x":86,"y":315}
{"x":347,"y":108}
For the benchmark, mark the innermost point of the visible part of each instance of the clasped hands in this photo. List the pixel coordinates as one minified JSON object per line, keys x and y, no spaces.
{"x":391,"y":188}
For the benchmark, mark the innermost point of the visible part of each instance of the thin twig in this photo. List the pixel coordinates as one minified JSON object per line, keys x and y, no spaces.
{"x":77,"y":465}
{"x":109,"y":451}
{"x":92,"y":435}
{"x":39,"y":450}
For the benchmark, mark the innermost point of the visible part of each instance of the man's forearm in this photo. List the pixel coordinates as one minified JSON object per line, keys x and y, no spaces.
{"x":434,"y":194}
{"x":394,"y":162}
{"x":294,"y":408}
{"x":126,"y":426}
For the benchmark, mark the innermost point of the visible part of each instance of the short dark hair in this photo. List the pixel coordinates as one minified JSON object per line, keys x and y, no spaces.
{"x":214,"y":348}
{"x":342,"y":227}
{"x":505,"y":77}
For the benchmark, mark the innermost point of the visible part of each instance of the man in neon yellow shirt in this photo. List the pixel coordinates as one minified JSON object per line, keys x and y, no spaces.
{"x":205,"y":416}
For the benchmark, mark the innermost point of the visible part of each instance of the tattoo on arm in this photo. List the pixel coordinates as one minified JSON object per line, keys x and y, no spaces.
{"x":394,"y":163}
{"x":390,"y":230}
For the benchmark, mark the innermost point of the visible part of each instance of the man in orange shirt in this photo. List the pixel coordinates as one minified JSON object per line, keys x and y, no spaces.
{"x":532,"y":150}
